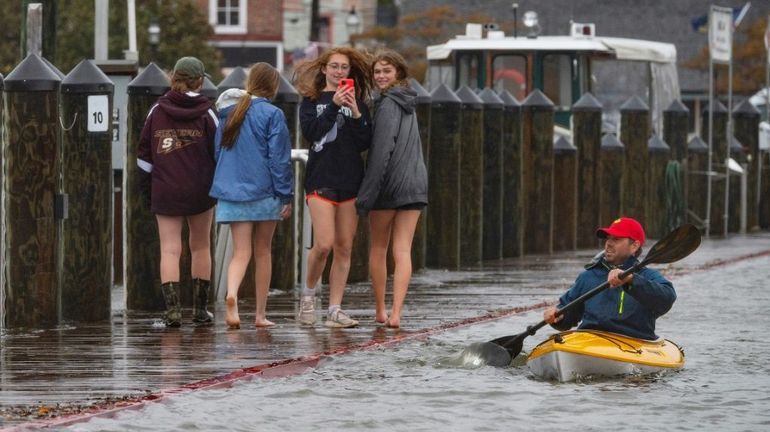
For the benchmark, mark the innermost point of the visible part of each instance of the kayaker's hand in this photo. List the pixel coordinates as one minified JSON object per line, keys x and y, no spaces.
{"x":549,"y":315}
{"x":614,"y":278}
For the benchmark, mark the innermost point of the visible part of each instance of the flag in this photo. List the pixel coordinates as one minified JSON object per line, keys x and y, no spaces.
{"x":700,"y":24}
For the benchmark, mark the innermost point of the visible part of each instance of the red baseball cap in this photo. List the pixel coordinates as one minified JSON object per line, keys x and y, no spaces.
{"x":623,"y":227}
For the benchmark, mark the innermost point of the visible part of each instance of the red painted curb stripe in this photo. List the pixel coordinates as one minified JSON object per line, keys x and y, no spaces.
{"x":299,"y":365}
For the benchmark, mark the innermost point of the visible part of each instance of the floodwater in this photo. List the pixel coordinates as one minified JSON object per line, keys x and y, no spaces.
{"x":719,"y":319}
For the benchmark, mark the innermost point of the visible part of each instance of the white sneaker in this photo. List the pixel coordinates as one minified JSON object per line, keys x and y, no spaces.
{"x":340,"y":319}
{"x":307,"y":310}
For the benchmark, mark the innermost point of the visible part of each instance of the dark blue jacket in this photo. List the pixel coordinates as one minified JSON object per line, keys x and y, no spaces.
{"x":630,"y":310}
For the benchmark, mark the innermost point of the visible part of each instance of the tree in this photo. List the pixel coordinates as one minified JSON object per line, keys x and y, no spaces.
{"x":749,"y":57}
{"x":414,"y":32}
{"x":184,"y":31}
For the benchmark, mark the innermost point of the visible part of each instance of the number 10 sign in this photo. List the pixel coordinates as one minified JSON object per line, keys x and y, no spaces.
{"x":98,"y":113}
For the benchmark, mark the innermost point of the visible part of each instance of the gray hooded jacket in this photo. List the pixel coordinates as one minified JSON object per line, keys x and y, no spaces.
{"x":395,"y":169}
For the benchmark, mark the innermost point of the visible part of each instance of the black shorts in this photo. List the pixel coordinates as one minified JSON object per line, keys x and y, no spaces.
{"x":332,"y":196}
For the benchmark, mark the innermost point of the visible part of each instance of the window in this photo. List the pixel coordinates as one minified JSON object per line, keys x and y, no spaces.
{"x":228,"y":16}
{"x":468,"y":72}
{"x":510,"y":73}
{"x":557,"y":80}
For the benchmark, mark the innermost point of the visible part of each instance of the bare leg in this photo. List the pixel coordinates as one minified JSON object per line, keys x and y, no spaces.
{"x":200,"y":244}
{"x":263,"y":241}
{"x":380,"y":226}
{"x":403,"y":232}
{"x":170,"y":234}
{"x":322,"y":216}
{"x":241,"y":232}
{"x":345,"y":223}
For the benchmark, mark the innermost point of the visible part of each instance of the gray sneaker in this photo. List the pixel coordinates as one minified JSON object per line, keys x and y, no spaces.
{"x":307,"y":310}
{"x":340,"y":319}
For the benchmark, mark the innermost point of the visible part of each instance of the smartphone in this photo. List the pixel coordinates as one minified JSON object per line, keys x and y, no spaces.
{"x":346,"y":82}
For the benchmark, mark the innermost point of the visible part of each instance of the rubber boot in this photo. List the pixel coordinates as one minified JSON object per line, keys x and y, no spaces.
{"x":173,"y":315}
{"x":200,"y":301}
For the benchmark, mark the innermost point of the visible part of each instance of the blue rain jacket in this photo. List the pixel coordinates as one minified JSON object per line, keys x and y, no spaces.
{"x":630,"y":310}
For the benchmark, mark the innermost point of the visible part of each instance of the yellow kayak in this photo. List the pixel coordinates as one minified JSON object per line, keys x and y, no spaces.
{"x":569,"y":355}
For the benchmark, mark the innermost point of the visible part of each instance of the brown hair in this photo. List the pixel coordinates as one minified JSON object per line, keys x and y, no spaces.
{"x":397,"y":61}
{"x":310,"y":81}
{"x":262,"y":81}
{"x":182,"y":83}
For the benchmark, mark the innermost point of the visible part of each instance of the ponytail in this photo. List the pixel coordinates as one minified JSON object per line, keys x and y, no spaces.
{"x":235,"y":120}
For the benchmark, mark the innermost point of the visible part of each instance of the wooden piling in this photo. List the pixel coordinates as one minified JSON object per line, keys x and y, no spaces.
{"x":746,"y":127}
{"x":738,"y":154}
{"x":635,"y":131}
{"x":718,"y":157}
{"x":676,"y":125}
{"x":659,"y":194}
{"x":423,"y":120}
{"x":609,"y":177}
{"x":142,"y":253}
{"x":587,"y":124}
{"x":537,"y":173}
{"x":471,"y":176}
{"x":492,"y":246}
{"x":443,"y":227}
{"x":86,"y":247}
{"x":697,"y":165}
{"x":513,"y":220}
{"x":209,"y":89}
{"x":565,"y":195}
{"x":284,"y":271}
{"x":32,"y":208}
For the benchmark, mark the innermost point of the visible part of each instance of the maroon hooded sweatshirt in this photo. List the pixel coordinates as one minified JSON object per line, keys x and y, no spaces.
{"x":177,"y":148}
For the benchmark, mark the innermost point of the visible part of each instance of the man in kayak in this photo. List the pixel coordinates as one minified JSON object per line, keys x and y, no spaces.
{"x":630,"y":306}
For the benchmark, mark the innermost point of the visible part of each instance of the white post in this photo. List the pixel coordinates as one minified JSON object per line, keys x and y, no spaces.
{"x":728,"y":143}
{"x":131,"y":53}
{"x":101,"y":29}
{"x":35,"y":28}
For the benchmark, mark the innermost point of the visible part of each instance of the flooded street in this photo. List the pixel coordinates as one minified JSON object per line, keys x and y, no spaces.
{"x":718,"y":319}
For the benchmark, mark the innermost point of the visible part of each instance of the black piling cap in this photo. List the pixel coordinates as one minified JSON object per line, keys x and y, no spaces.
{"x":509,"y":101}
{"x":469,"y":99}
{"x":677,"y":106}
{"x":537,"y":99}
{"x":657,"y":145}
{"x":719,"y":108}
{"x":209,"y":89}
{"x":746,"y":109}
{"x":587,"y":103}
{"x":32,"y":75}
{"x":53,"y":68}
{"x":443,"y":95}
{"x":236,"y":79}
{"x":286,"y":92}
{"x":86,"y":77}
{"x":635,"y":104}
{"x":611,"y":143}
{"x":491,"y":99}
{"x":152,"y":81}
{"x":423,"y":97}
{"x":696,"y":145}
{"x":563,"y":146}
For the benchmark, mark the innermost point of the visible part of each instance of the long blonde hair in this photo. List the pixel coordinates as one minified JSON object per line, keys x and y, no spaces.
{"x":310,"y":81}
{"x":262,"y":81}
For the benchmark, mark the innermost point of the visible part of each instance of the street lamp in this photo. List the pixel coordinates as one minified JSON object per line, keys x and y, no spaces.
{"x":352,"y":23}
{"x":153,"y":30}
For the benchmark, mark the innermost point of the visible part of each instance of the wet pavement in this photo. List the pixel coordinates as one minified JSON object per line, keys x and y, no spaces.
{"x":57,"y":372}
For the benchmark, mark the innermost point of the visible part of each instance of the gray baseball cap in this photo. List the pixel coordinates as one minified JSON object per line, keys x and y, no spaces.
{"x":189,"y":67}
